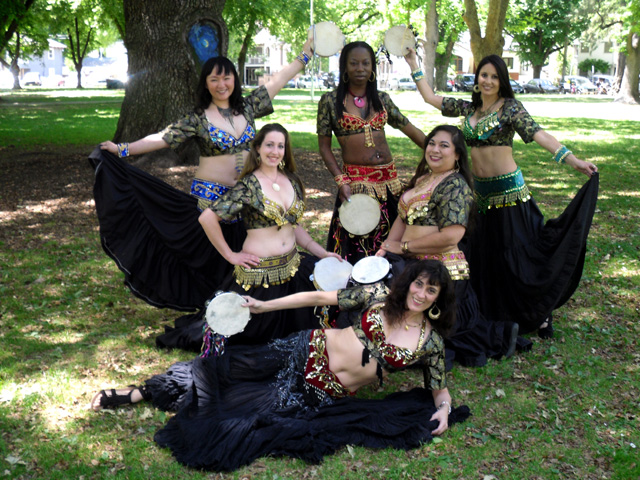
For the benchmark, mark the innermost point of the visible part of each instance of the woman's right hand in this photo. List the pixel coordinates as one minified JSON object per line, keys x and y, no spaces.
{"x":345,"y":193}
{"x":109,"y":146}
{"x":381,"y":253}
{"x":242,"y":259}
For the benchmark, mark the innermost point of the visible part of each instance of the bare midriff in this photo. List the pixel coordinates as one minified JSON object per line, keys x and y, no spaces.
{"x":345,"y":359}
{"x":354,"y":152}
{"x":415,"y":232}
{"x":492,"y":161}
{"x":221,"y":169}
{"x":270,"y":241}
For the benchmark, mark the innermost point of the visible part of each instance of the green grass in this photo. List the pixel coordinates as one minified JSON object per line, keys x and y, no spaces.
{"x":68,"y":327}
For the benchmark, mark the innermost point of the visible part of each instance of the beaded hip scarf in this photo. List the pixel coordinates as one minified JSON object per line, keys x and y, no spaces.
{"x":207,"y":192}
{"x":271,"y":271}
{"x":455,"y":261}
{"x":502,"y":191}
{"x":373,"y":181}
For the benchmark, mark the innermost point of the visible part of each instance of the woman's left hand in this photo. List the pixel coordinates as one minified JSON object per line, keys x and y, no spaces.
{"x":581,"y":166}
{"x":392,"y":246}
{"x":308,"y":45}
{"x":442,"y":416}
{"x":254,"y":306}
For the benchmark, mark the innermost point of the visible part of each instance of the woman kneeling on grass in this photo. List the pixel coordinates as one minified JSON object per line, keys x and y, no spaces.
{"x":295,"y":396}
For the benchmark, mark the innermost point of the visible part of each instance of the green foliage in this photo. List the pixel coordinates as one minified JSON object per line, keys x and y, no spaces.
{"x":541,"y":27}
{"x":599,"y":66}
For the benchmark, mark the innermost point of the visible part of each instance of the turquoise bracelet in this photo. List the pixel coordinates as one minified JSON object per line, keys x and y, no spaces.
{"x":561,"y":154}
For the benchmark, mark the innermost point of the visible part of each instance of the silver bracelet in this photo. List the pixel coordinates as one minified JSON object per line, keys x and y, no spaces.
{"x":444,"y":402}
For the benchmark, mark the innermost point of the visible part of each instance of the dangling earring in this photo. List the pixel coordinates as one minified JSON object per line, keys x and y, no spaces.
{"x":281,"y":164}
{"x":457,"y":166}
{"x":258,"y":160}
{"x":345,"y":77}
{"x":371,"y":80}
{"x":476,"y":88}
{"x":433,"y":315}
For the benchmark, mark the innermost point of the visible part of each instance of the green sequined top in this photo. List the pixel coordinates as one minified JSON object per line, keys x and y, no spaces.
{"x":214,"y":141}
{"x":328,"y":121}
{"x":247,"y":200}
{"x":367,"y":301}
{"x":493,"y":131}
{"x":448,"y":204}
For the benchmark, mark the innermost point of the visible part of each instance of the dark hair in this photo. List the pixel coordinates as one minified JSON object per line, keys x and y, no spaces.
{"x":457,"y":139}
{"x":503,"y":77}
{"x":437,"y":273}
{"x":203,"y":96}
{"x":253,"y":161}
{"x":372,"y":87}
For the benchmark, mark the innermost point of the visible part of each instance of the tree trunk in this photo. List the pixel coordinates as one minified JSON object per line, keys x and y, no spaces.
{"x":431,"y":37}
{"x":628,"y":92}
{"x":537,"y":70}
{"x":565,"y":49}
{"x":442,"y":67}
{"x":242,"y":56}
{"x":493,"y":41}
{"x":163,"y":64}
{"x":620,"y":68}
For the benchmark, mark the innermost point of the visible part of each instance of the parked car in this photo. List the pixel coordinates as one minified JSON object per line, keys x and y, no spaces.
{"x":304,"y":81}
{"x":464,"y":82}
{"x":406,"y":83}
{"x":32,"y":78}
{"x":540,"y":85}
{"x":605,"y":83}
{"x":577,"y":84}
{"x":515,"y":86}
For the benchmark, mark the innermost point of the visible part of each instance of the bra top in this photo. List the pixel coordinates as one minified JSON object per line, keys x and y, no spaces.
{"x":246,"y":199}
{"x":226,"y":141}
{"x":448,"y":203}
{"x":353,"y":123}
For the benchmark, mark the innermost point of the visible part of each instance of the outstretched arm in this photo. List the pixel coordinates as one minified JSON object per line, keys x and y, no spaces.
{"x":423,"y":87}
{"x":415,"y":134}
{"x":150,"y":143}
{"x":549,"y":143}
{"x":296,"y":300}
{"x":281,"y":78}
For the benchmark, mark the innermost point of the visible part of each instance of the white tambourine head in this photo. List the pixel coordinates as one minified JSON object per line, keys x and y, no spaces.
{"x":226,"y":315}
{"x":328,"y":39}
{"x":398,"y":39}
{"x":361,"y":215}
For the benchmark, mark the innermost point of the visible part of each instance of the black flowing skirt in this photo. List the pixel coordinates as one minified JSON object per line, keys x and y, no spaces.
{"x":474,"y":338}
{"x":523,"y":268}
{"x":188,"y":334}
{"x":151,"y":231}
{"x":249,"y":403}
{"x":355,"y":247}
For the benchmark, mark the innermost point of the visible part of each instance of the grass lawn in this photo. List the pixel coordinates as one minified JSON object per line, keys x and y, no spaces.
{"x":569,"y":409}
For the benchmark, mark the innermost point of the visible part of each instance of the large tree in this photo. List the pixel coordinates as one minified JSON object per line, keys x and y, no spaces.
{"x":493,"y":41}
{"x":542,"y":27}
{"x":450,"y":26}
{"x":166,"y":42}
{"x":12,"y":12}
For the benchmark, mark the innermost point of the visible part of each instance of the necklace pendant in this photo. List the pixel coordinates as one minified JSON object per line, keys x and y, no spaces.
{"x":359,"y":102}
{"x":275,"y":187}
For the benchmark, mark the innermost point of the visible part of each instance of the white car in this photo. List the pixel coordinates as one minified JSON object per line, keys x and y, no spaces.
{"x":577,"y":84}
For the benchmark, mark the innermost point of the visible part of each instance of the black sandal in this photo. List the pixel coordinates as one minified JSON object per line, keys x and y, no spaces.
{"x":546,"y":332}
{"x":111,"y":398}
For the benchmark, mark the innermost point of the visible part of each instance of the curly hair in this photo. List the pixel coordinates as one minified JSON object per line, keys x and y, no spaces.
{"x":503,"y":77}
{"x":253,"y":161}
{"x":457,"y":138}
{"x":203,"y":96}
{"x":343,"y":87}
{"x":436,"y":274}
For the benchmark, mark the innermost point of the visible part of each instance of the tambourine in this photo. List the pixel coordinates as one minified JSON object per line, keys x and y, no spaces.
{"x":331,"y":274}
{"x":361,"y":215}
{"x":398,"y":40}
{"x":370,"y":270}
{"x":226,"y":315}
{"x":328,"y":39}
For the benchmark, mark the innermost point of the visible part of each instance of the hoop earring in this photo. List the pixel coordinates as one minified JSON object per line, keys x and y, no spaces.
{"x":433,"y":315}
{"x":345,"y":77}
{"x":371,"y":80}
{"x":476,"y":88}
